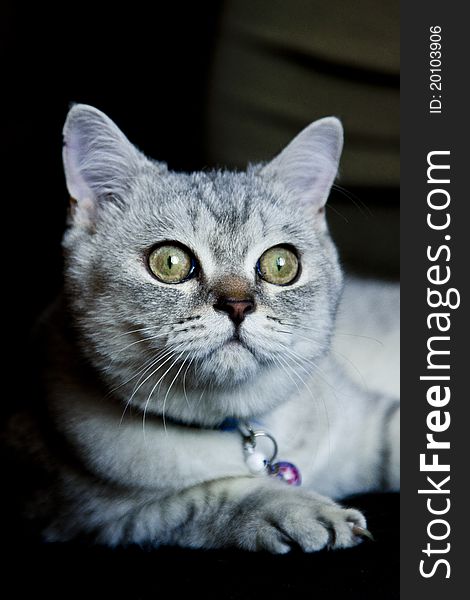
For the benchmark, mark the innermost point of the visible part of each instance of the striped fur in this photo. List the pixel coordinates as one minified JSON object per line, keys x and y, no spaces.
{"x":127,"y":357}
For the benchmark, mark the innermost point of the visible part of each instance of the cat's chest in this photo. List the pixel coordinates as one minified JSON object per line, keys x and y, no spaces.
{"x":304,"y":432}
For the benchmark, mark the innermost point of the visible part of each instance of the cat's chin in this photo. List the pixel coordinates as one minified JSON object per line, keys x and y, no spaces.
{"x":230,"y":364}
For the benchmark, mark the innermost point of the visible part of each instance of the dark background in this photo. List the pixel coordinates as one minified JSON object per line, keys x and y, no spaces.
{"x":150,"y":70}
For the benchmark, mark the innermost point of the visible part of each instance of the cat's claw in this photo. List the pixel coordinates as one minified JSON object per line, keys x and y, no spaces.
{"x":362,"y":532}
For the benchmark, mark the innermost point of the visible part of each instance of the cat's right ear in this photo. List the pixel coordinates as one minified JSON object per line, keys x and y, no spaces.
{"x":99,"y":161}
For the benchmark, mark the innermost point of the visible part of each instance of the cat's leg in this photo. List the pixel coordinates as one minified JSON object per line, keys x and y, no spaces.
{"x":255,"y":514}
{"x":246,"y":512}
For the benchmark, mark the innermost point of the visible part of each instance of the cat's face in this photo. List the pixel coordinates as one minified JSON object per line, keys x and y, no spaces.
{"x":216,"y":287}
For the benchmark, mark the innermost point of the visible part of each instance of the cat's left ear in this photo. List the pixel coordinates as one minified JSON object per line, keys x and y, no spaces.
{"x":308,"y":166}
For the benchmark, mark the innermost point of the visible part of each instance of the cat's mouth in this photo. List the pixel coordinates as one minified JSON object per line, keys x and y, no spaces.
{"x":233,"y":343}
{"x":235,"y":339}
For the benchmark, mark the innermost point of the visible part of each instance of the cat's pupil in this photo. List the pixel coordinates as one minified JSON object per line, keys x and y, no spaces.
{"x":172,"y":260}
{"x":280,"y":262}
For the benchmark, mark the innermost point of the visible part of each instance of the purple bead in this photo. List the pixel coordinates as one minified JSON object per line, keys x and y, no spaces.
{"x":286,"y":471}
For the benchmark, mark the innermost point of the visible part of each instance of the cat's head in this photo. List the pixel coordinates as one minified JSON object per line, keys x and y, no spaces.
{"x":202,"y":295}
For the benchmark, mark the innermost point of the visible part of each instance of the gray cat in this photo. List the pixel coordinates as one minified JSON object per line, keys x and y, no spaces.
{"x":195,"y":341}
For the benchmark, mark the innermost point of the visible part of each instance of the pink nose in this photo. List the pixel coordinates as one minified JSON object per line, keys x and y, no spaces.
{"x":236,"y":309}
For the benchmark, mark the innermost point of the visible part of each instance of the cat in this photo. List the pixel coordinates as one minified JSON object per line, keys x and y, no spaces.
{"x":194,"y":338}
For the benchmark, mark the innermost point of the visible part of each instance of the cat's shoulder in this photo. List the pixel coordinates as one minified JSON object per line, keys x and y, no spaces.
{"x":362,"y":292}
{"x":367,"y":335}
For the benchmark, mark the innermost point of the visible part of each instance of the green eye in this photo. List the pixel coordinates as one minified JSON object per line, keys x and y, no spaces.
{"x":278,"y":265}
{"x":171,"y":264}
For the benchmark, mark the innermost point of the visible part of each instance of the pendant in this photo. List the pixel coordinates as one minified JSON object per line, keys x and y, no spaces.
{"x":258,"y":463}
{"x":286,"y":471}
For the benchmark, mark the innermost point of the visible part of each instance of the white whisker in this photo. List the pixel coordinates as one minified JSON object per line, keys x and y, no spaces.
{"x":145,"y":367}
{"x":155,"y":386}
{"x":123,"y":333}
{"x":336,"y":352}
{"x":145,"y":339}
{"x":169,"y":388}
{"x":318,"y":330}
{"x":314,"y":398}
{"x":279,"y":363}
{"x":160,"y":365}
{"x":184,"y":381}
{"x":321,"y":373}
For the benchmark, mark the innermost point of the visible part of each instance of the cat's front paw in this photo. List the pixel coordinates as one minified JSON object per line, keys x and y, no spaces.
{"x":306,"y":521}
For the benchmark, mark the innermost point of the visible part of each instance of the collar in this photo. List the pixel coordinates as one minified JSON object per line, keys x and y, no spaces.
{"x":257,"y":462}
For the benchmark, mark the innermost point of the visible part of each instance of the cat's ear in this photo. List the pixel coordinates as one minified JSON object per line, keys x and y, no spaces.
{"x":99,"y":161}
{"x":308,"y":166}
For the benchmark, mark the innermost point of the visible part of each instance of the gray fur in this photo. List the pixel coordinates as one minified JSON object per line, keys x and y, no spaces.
{"x":147,"y":355}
